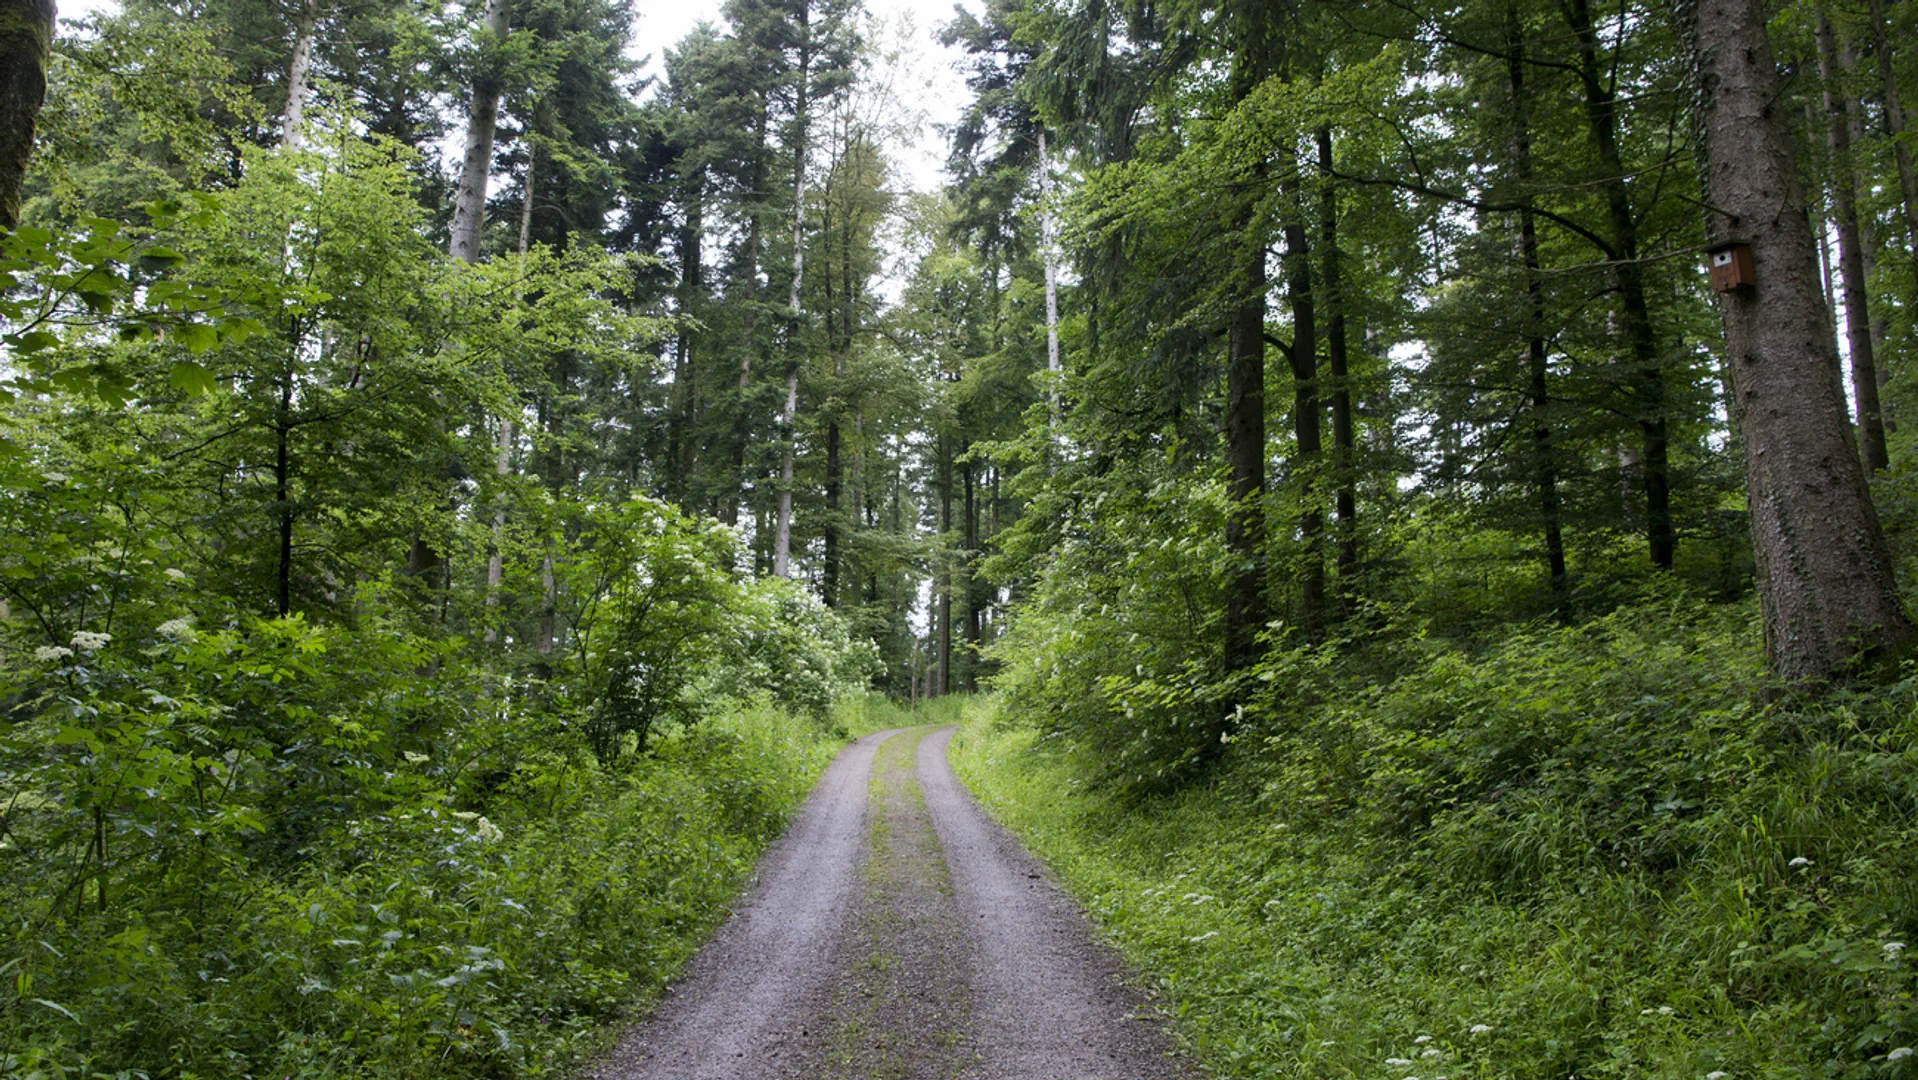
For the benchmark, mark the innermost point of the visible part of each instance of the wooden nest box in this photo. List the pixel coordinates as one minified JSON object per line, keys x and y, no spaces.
{"x":1731,"y":266}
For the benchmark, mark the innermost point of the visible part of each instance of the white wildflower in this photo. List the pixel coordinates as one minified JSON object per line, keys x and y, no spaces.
{"x":1899,"y":1054}
{"x":47,"y":654}
{"x":1799,"y":861}
{"x":1666,"y":1010}
{"x":1421,"y":1040}
{"x":1893,"y":948}
{"x":465,"y":815}
{"x":1480,"y":1029}
{"x":1433,"y":1052}
{"x":174,"y":573}
{"x":87,"y":641}
{"x":1203,"y":937}
{"x":1398,"y":1061}
{"x":1717,"y":1074}
{"x":180,"y":630}
{"x":417,"y":759}
{"x":488,"y":832}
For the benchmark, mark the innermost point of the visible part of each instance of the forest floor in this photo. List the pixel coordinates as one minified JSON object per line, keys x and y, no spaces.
{"x":896,"y":933}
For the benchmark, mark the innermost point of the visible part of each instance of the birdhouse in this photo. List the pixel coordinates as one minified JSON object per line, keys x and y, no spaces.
{"x":1731,"y":266}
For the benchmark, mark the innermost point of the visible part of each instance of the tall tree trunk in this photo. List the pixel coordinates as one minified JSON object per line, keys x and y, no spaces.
{"x":503,"y":449}
{"x":1537,"y":365}
{"x":1895,"y":120}
{"x":469,"y":206}
{"x":305,"y":27}
{"x":1344,"y":446}
{"x":1306,"y":425}
{"x":680,"y":454}
{"x":1052,"y":271}
{"x":944,"y":685}
{"x":283,"y":495}
{"x":26,"y":41}
{"x":1646,"y":377}
{"x":970,"y":562}
{"x":795,"y":314}
{"x":1824,"y":569}
{"x":1245,"y":608}
{"x":749,"y":285}
{"x":1851,"y":259}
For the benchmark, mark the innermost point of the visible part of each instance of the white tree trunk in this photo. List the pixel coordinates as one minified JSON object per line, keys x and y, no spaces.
{"x":469,"y":206}
{"x":1052,"y":267}
{"x":298,"y":73}
{"x":783,"y":521}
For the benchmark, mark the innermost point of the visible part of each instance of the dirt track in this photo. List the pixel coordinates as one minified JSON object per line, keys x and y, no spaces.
{"x":896,"y":933}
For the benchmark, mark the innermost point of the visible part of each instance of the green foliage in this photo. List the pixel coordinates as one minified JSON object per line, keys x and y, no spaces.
{"x":1610,"y":849}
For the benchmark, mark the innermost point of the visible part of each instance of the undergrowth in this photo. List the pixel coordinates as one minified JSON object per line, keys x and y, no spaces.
{"x":426,"y":939}
{"x":1608,"y":850}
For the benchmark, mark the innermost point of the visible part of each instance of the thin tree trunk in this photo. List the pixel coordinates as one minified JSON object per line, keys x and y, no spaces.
{"x":749,"y":284}
{"x":283,"y":495}
{"x":1895,"y":126}
{"x":26,"y":42}
{"x":944,"y":685}
{"x":1245,"y":608}
{"x":1538,"y":369}
{"x":1646,"y":377}
{"x":1052,"y":271}
{"x":469,"y":206}
{"x":680,"y":453}
{"x":1825,"y":577}
{"x":502,"y":458}
{"x":1306,"y":425}
{"x":305,"y":26}
{"x":783,"y":524}
{"x":1344,"y":470}
{"x":1851,"y":261}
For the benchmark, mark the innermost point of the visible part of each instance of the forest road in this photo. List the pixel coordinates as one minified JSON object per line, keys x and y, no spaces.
{"x":897,"y":933}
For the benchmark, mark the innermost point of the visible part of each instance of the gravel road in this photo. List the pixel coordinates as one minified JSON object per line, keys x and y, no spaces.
{"x":897,"y":933}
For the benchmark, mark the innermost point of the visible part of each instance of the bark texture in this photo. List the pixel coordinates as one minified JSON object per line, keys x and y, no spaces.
{"x":26,"y":39}
{"x":1851,"y":256}
{"x":469,"y":206}
{"x":1824,"y":569}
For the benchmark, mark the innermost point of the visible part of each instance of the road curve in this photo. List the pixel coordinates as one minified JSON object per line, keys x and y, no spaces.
{"x":897,"y":933}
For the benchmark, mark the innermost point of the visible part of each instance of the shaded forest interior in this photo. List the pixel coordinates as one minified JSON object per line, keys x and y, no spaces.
{"x":432,"y":447}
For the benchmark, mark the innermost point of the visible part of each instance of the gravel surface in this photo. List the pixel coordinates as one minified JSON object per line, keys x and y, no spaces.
{"x":896,"y":933}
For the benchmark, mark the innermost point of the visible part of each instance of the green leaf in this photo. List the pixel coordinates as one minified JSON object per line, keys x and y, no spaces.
{"x":159,"y":260}
{"x":33,"y":341}
{"x":190,"y":378}
{"x":196,"y":337}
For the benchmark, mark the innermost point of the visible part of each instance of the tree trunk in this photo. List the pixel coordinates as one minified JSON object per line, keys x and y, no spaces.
{"x":680,"y":455}
{"x":283,"y":495}
{"x":26,"y":40}
{"x":749,"y":285}
{"x":1344,"y":465}
{"x":469,"y":206}
{"x":1538,"y":368}
{"x":1851,"y":259}
{"x":1824,"y":569}
{"x":1245,"y":610}
{"x":305,"y":26}
{"x":1052,"y":272}
{"x":1646,"y":377}
{"x":795,"y":316}
{"x":1306,"y":425}
{"x":1895,"y":127}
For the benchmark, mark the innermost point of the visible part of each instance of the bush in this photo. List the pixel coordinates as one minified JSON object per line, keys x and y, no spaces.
{"x":1611,"y":849}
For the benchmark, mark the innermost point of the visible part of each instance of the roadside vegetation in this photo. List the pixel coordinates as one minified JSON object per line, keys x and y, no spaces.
{"x":1614,"y":849}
